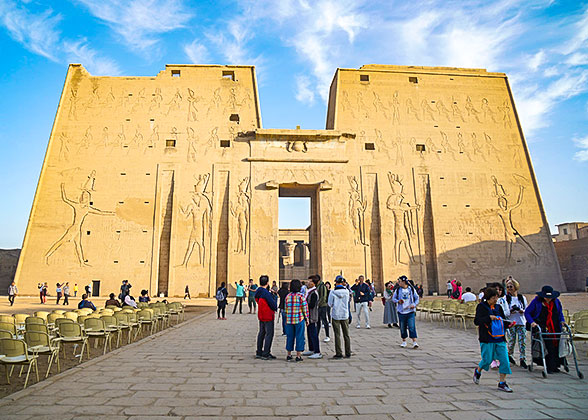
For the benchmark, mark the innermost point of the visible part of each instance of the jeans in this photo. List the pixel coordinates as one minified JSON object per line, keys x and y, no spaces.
{"x":283,"y":315}
{"x":313,"y":340}
{"x":494,"y":351}
{"x":407,"y":321}
{"x":239,"y":302}
{"x":265,"y":338}
{"x":295,"y":332}
{"x":341,"y":325}
{"x":58,"y":298}
{"x":363,"y":307}
{"x":11,"y":299}
{"x":66,"y":299}
{"x":252,"y":303}
{"x":323,"y":319}
{"x":220,"y":310}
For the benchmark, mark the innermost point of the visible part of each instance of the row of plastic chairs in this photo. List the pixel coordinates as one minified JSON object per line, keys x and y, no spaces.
{"x":450,"y":310}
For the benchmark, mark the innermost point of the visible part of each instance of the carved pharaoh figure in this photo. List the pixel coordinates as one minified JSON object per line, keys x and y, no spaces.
{"x":81,"y":209}
{"x":402,"y":213}
{"x":73,"y":104}
{"x":456,"y":111}
{"x":240,"y":211}
{"x":395,"y":105}
{"x":411,"y":110}
{"x":505,"y":109}
{"x":199,"y":210}
{"x":442,"y":110}
{"x":357,"y":209}
{"x":153,"y":138}
{"x":487,"y":111}
{"x":176,"y":103}
{"x":461,"y":145}
{"x":63,"y":147}
{"x":192,"y":141}
{"x":477,"y":148}
{"x":471,"y":110}
{"x":156,"y":100}
{"x":447,"y":148}
{"x":427,"y":110}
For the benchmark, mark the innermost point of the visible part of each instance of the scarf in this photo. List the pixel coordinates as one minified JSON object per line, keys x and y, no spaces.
{"x":549,"y":323}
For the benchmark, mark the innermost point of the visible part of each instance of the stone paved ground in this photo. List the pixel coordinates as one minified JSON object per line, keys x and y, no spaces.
{"x":205,"y":369}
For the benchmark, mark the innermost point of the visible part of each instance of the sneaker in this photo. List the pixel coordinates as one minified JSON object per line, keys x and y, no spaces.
{"x":337,"y":356}
{"x":389,"y":325}
{"x":512,"y":360}
{"x":271,"y":356}
{"x":503,"y":386}
{"x":347,"y":356}
{"x":368,"y":327}
{"x":403,"y":344}
{"x":477,"y":375}
{"x":289,"y":358}
{"x":358,"y":327}
{"x":308,"y":353}
{"x":523,"y":364}
{"x":316,"y":356}
{"x":327,"y":339}
{"x":299,"y":359}
{"x":258,"y":356}
{"x":395,"y":325}
{"x":415,"y":345}
{"x":330,"y":325}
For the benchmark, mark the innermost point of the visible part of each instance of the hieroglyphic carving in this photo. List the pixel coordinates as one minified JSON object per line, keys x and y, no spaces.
{"x":477,"y":148}
{"x":296,"y":146}
{"x":192,"y":141}
{"x":88,"y":138}
{"x":153,"y":138}
{"x":427,"y":110}
{"x":442,"y":109}
{"x":175,"y":103}
{"x":362,"y":109}
{"x":73,"y":104}
{"x":156,"y":100}
{"x":505,"y":109}
{"x":192,"y":101}
{"x":81,"y":209}
{"x":456,"y":111}
{"x":504,"y":211}
{"x":430,"y":147}
{"x":233,"y":102}
{"x":137,"y":138}
{"x":346,"y":104}
{"x":379,"y":106}
{"x":490,"y":148}
{"x":471,"y":110}
{"x":122,"y":138}
{"x":240,"y":211}
{"x":199,"y":210}
{"x":357,"y":208}
{"x":397,"y":145}
{"x":395,"y":105}
{"x":63,"y":147}
{"x":487,"y":111}
{"x":216,"y":102}
{"x":461,"y":145}
{"x":213,"y":139}
{"x":447,"y":148}
{"x":411,"y":110}
{"x":404,"y":219}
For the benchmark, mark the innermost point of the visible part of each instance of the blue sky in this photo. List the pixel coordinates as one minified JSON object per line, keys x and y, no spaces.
{"x":297,"y":45}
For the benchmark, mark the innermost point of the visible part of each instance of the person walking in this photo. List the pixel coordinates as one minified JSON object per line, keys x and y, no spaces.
{"x":282,"y":293}
{"x":66,"y":294}
{"x":323,"y":307}
{"x":390,"y":311}
{"x":339,"y":304}
{"x":296,"y":319}
{"x":266,"y":301}
{"x":251,"y":289}
{"x":239,"y":296}
{"x":449,"y":286}
{"x":372,"y":293}
{"x":58,"y":292}
{"x":187,"y":293}
{"x":75,"y":289}
{"x":517,"y":303}
{"x":12,"y":292}
{"x":491,"y":323}
{"x":406,"y":299}
{"x":312,"y":300}
{"x":363,"y":295}
{"x":221,"y":301}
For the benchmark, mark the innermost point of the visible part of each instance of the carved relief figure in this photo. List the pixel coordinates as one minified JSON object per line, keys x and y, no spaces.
{"x":490,"y":148}
{"x":192,"y":101}
{"x":471,"y":110}
{"x":477,"y":147}
{"x":200,"y":212}
{"x":427,"y":110}
{"x":404,"y":219}
{"x":175,"y":103}
{"x":216,"y":101}
{"x":487,"y":111}
{"x":122,"y":139}
{"x":411,"y":110}
{"x":192,"y":141}
{"x":517,"y":159}
{"x":395,"y":105}
{"x":63,"y":147}
{"x":431,"y":147}
{"x":87,"y":139}
{"x":505,"y":109}
{"x":105,"y":137}
{"x":447,"y":148}
{"x":346,"y":104}
{"x":156,"y":100}
{"x":505,"y":209}
{"x":361,"y":107}
{"x":296,"y":146}
{"x":442,"y":110}
{"x":240,"y":211}
{"x":398,"y":148}
{"x":456,"y":111}
{"x":379,"y":106}
{"x":137,"y":138}
{"x":213,"y":139}
{"x":81,"y":209}
{"x":110,"y":99}
{"x":357,"y":209}
{"x":153,"y":138}
{"x":463,"y":150}
{"x":233,"y":103}
{"x":73,"y":104}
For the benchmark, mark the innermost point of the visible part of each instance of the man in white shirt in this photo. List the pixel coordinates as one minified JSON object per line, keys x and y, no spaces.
{"x":468,"y":296}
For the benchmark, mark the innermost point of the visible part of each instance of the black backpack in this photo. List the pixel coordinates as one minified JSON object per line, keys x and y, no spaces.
{"x":455,"y":294}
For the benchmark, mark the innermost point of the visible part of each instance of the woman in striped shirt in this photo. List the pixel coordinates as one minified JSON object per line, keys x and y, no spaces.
{"x":296,"y":320}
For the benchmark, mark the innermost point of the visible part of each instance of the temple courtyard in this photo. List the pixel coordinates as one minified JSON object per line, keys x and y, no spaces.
{"x":205,"y":368}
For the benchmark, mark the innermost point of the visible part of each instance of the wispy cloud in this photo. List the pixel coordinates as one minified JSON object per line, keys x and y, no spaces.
{"x":304,"y":91}
{"x":582,"y":144}
{"x":196,"y":52}
{"x":38,"y":32}
{"x":140,"y":22}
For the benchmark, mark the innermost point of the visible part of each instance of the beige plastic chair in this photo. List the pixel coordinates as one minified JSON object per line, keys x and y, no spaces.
{"x":106,"y":311}
{"x":42,"y":314}
{"x":460,"y":315}
{"x":70,"y":332}
{"x":37,"y":327}
{"x":133,"y":324}
{"x":7,"y":318}
{"x":58,"y":311}
{"x":35,"y":320}
{"x":19,"y":320}
{"x":145,"y":317}
{"x":449,"y":311}
{"x":96,"y":328}
{"x":71,"y":315}
{"x":15,"y":353}
{"x":8,"y":326}
{"x":52,"y":317}
{"x":40,"y":343}
{"x":112,"y":326}
{"x":436,"y":309}
{"x":6,"y":334}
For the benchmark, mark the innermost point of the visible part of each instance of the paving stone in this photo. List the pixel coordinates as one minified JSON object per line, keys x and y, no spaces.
{"x":516,"y":403}
{"x":340,"y":409}
{"x":566,"y":413}
{"x":192,"y":411}
{"x":469,"y":415}
{"x":300,"y":410}
{"x":380,"y":409}
{"x":146,"y":411}
{"x":416,"y":408}
{"x":553,"y":403}
{"x":515,"y":414}
{"x":248,"y":411}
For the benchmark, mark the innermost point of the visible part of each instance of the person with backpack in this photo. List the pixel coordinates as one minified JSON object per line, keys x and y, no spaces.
{"x":340,"y":312}
{"x":221,"y":301}
{"x":323,"y":307}
{"x":312,"y":300}
{"x":517,"y":303}
{"x":406,"y":299}
{"x":492,"y":323}
{"x":266,"y":301}
{"x":240,"y":295}
{"x":296,"y":320}
{"x":456,"y":289}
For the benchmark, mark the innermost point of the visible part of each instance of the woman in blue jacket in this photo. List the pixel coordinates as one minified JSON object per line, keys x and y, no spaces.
{"x":546,"y":312}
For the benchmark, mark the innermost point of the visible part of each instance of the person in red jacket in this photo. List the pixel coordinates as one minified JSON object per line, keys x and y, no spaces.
{"x":267,"y":304}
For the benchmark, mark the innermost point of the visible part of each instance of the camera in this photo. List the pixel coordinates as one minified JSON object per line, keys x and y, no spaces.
{"x":515,"y":308}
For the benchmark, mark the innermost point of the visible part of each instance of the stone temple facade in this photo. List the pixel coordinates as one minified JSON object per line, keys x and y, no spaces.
{"x":171,"y":180}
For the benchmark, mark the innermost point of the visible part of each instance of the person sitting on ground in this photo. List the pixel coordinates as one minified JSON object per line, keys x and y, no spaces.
{"x":112,"y":301}
{"x":144,"y":296}
{"x":85,"y":303}
{"x":517,"y":303}
{"x":491,"y":323}
{"x":546,"y":312}
{"x":130,"y":301}
{"x":339,"y":304}
{"x":468,"y":296}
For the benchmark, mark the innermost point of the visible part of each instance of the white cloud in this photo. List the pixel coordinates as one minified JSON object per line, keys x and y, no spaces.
{"x":36,"y":32}
{"x":39,"y":33}
{"x":196,"y":52}
{"x":140,"y":22}
{"x":233,"y":44}
{"x":304,"y":92}
{"x":536,"y":60}
{"x":582,"y":144}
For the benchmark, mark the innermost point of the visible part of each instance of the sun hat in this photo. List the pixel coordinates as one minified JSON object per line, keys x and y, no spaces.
{"x":548,"y":292}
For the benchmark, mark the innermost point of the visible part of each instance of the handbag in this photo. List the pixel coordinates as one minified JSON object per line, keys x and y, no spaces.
{"x":383,"y":301}
{"x":496,"y":328}
{"x":565,"y":346}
